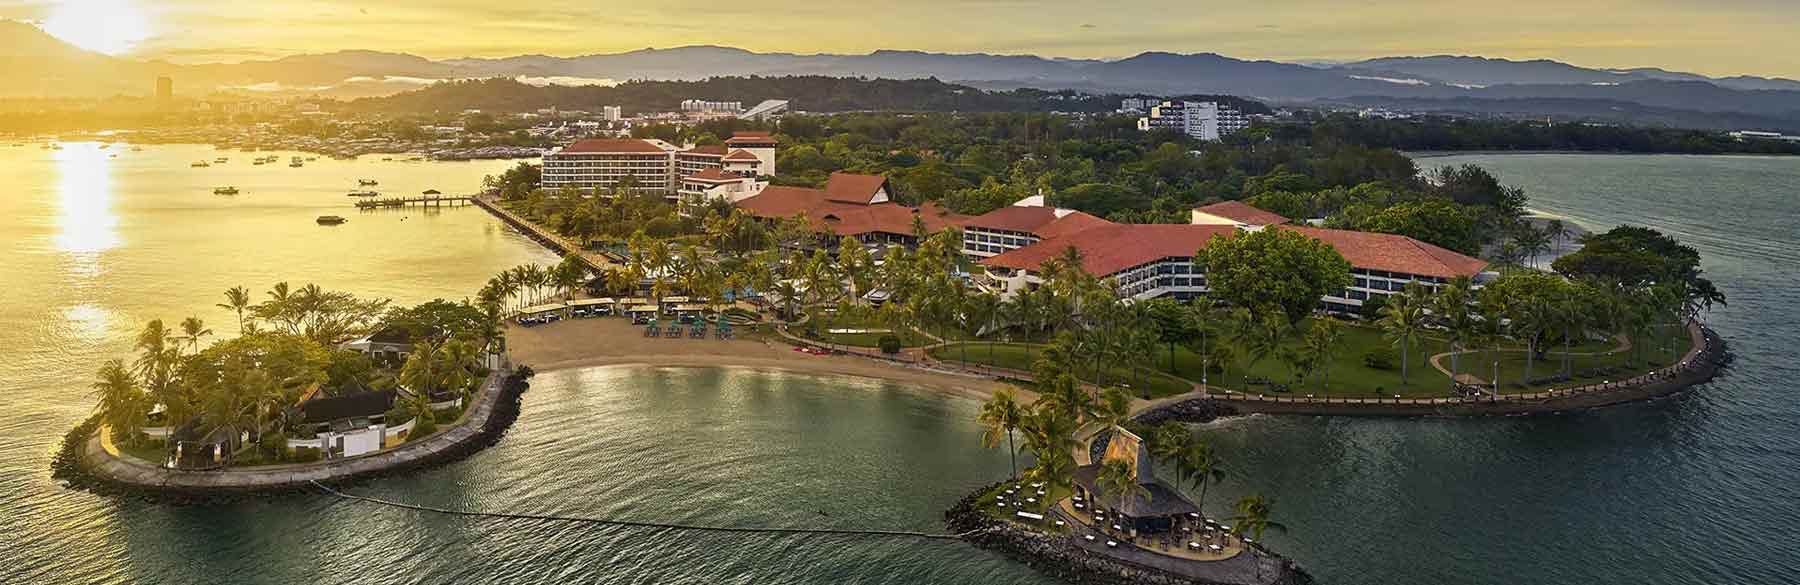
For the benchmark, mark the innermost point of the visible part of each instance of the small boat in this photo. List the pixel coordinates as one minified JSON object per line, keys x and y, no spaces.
{"x":367,"y":182}
{"x":331,"y":220}
{"x":257,"y":162}
{"x":225,"y":190}
{"x":105,"y":146}
{"x":312,"y":159}
{"x":137,"y":149}
{"x":221,"y":160}
{"x":199,"y":164}
{"x":296,"y":164}
{"x":364,"y":194}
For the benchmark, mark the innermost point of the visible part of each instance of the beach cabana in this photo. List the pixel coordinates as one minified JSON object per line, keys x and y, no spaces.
{"x":600,"y":306}
{"x":641,"y":313}
{"x":544,"y":309}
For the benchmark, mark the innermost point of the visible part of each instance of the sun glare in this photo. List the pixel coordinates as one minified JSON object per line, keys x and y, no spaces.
{"x":106,"y":26}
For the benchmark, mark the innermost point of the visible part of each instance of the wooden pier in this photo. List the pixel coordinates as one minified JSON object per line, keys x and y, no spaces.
{"x":549,"y":239}
{"x":424,"y":201}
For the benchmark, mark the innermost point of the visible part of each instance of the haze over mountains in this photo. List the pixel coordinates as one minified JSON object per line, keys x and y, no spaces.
{"x":45,"y":67}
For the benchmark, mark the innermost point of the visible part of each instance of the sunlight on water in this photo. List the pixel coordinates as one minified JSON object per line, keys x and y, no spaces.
{"x":86,"y":222}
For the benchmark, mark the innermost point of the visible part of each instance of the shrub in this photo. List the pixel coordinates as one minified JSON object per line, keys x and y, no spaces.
{"x":303,"y":455}
{"x":425,"y":426}
{"x":890,"y":344}
{"x":274,"y":446}
{"x":1380,"y":358}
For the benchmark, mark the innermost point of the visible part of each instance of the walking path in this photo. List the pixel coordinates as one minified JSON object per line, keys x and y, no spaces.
{"x":595,"y":261}
{"x":1437,"y":361}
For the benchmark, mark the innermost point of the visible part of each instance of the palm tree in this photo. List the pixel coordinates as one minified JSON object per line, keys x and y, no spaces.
{"x":1451,"y":307}
{"x":237,"y":299}
{"x":1253,"y":517}
{"x":568,"y":275}
{"x":192,"y":329}
{"x":1203,"y":466}
{"x":1114,"y":407}
{"x":460,"y":358}
{"x":1167,"y":443}
{"x":1259,"y":334}
{"x":1118,"y":482}
{"x":421,"y":373}
{"x":978,"y":313}
{"x":119,"y":400}
{"x":1002,"y":414}
{"x":1323,"y":345}
{"x":1049,"y":434}
{"x":1403,"y":320}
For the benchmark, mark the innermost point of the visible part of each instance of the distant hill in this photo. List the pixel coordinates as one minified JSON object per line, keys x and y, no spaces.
{"x":41,"y":66}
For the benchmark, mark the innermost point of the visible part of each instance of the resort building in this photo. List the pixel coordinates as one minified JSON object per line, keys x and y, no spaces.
{"x":345,"y":425}
{"x":1156,"y":508}
{"x":852,"y":205}
{"x":1022,"y":224}
{"x":1148,"y":261}
{"x":655,"y":167}
{"x":1207,"y":121}
{"x":1236,"y":214}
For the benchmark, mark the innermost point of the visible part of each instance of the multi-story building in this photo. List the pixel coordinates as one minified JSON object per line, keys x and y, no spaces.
{"x":1207,"y":121}
{"x":1136,"y":105}
{"x":711,"y":106}
{"x":656,"y":167}
{"x":851,"y":205}
{"x":1156,"y":260}
{"x":1010,"y":228}
{"x":611,"y":113}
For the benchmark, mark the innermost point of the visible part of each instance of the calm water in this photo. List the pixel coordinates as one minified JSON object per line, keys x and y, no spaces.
{"x":1693,"y":490}
{"x":1702,"y":488}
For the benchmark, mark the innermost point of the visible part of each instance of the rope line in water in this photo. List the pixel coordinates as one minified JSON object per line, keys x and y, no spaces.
{"x":633,"y":524}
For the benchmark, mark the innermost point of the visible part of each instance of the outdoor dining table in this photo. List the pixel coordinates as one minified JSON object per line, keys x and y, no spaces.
{"x":1116,"y":527}
{"x":1194,"y":545}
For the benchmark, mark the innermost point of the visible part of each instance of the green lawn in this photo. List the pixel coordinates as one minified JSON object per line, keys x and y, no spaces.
{"x":1020,"y":357}
{"x":988,"y":504}
{"x":150,"y":450}
{"x":1662,"y":349}
{"x":1349,"y":377}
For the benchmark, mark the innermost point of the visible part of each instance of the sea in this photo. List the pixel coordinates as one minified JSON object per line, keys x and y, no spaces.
{"x":1698,"y":488}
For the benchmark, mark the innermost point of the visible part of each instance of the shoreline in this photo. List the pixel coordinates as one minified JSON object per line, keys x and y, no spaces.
{"x":1425,"y":154}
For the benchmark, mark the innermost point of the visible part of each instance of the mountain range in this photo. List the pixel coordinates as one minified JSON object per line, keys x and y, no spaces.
{"x":43,"y":66}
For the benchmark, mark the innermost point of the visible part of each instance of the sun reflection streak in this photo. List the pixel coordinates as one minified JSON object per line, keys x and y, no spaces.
{"x":86,"y":222}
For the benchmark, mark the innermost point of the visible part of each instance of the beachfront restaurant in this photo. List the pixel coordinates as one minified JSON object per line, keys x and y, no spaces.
{"x":1156,"y":509}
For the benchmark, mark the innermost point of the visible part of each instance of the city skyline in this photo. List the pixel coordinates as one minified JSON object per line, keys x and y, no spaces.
{"x":1707,"y":38}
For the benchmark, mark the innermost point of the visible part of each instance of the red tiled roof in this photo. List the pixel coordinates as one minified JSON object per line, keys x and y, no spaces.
{"x":1107,"y":249}
{"x":750,"y":137}
{"x":613,"y":145}
{"x":1394,"y":253}
{"x":853,"y":188}
{"x":1039,"y":221}
{"x":1114,"y":247}
{"x":707,"y":149}
{"x":713,"y":175}
{"x":1241,"y":212}
{"x":842,"y":218}
{"x":741,"y":154}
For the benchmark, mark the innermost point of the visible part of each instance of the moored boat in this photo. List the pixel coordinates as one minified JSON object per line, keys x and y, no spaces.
{"x":331,"y":219}
{"x":228,"y":190}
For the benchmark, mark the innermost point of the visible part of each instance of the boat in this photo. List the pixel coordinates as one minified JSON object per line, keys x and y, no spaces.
{"x":137,"y":149}
{"x":257,"y":162}
{"x":199,"y":164}
{"x":331,"y":220}
{"x":364,"y":194}
{"x":225,"y":190}
{"x":221,"y":160}
{"x":368,"y":182}
{"x":296,"y":164}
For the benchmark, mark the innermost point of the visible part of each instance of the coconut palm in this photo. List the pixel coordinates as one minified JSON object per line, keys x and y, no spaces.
{"x":237,"y":300}
{"x":1253,"y":517}
{"x":1118,"y":482}
{"x":1049,"y":434}
{"x":1002,"y":414}
{"x":1451,"y":307}
{"x":192,"y":329}
{"x":1403,"y":320}
{"x":979,"y":311}
{"x":119,"y":401}
{"x":1168,"y":441}
{"x":1113,"y":409}
{"x":1323,"y":343}
{"x":1203,"y":467}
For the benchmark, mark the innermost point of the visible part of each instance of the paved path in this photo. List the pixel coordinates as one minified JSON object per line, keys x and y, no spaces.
{"x":1437,"y":361}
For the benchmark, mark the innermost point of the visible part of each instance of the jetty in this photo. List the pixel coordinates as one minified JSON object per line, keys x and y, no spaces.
{"x":422,"y":201}
{"x":549,"y":239}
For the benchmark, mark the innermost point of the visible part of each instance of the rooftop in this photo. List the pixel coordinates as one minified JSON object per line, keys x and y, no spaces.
{"x":1395,"y":253}
{"x":1044,"y":222}
{"x":1241,"y":212}
{"x":1109,"y":248}
{"x":613,"y":146}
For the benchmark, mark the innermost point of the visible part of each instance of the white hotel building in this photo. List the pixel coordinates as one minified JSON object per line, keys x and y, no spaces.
{"x":599,"y":166}
{"x":1207,"y":121}
{"x":1147,"y":261}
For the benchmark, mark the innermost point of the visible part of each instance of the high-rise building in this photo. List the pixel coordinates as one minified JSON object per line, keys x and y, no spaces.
{"x":165,"y":89}
{"x":1208,"y":121}
{"x":705,"y":106}
{"x":611,"y":113}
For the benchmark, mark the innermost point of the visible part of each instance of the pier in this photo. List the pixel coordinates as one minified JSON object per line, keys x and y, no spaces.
{"x":549,"y":239}
{"x":423,"y":201}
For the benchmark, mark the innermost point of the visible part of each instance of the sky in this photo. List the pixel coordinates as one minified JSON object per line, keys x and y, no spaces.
{"x":1715,"y":37}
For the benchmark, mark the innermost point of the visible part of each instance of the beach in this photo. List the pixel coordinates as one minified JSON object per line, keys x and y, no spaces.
{"x":585,"y":343}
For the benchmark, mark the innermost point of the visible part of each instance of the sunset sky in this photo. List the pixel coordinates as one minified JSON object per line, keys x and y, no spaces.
{"x":1718,"y":37}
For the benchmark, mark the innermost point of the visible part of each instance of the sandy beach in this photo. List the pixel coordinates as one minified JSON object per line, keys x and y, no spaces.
{"x":583,"y":343}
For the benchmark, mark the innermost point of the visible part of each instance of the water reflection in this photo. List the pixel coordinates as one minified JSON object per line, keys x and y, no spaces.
{"x":86,"y":222}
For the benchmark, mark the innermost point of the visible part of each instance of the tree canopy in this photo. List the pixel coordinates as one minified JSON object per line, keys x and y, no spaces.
{"x":1273,"y":269}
